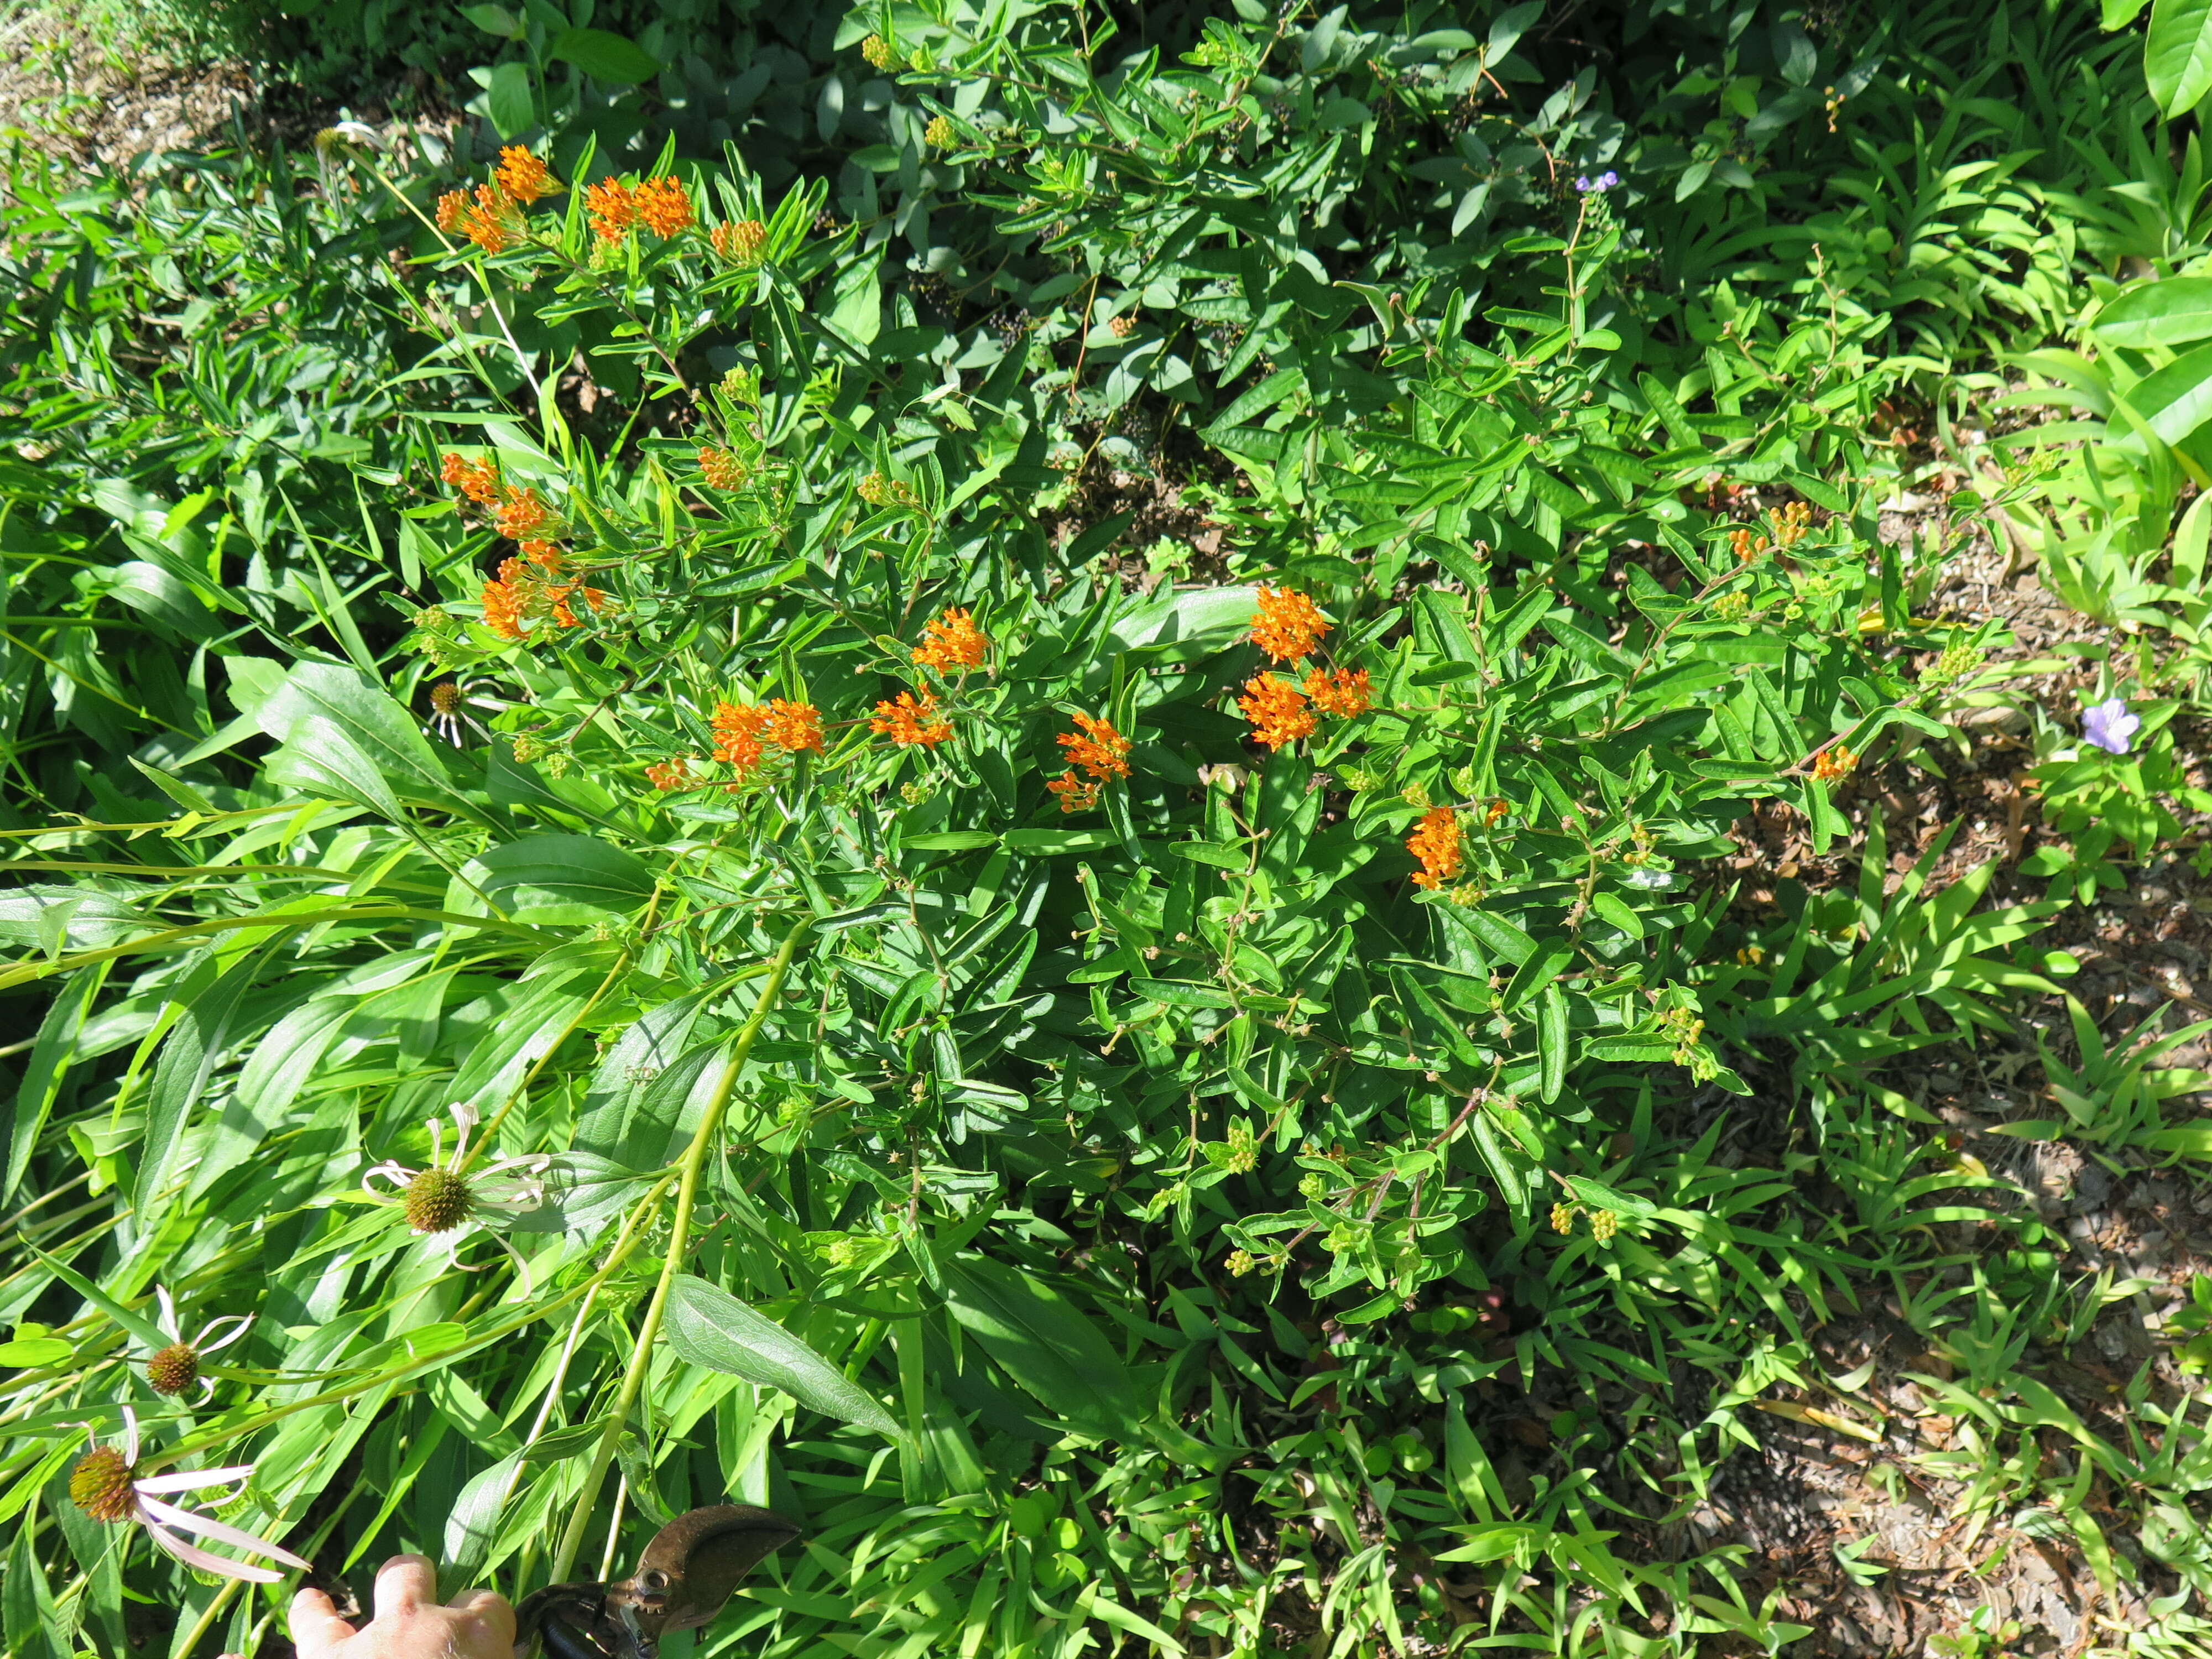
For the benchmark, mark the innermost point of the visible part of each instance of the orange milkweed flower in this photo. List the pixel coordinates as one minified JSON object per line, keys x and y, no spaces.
{"x":737,"y":736}
{"x":502,"y":609}
{"x":451,"y":206}
{"x":1277,"y":710}
{"x":1287,"y":625}
{"x":1101,"y":750}
{"x":665,"y":205}
{"x":794,"y":726}
{"x":907,"y":721}
{"x":741,"y":241}
{"x":1834,"y":763}
{"x":1075,"y":795}
{"x":951,"y":640}
{"x":478,"y":480}
{"x":612,"y":206}
{"x":670,"y":774}
{"x":522,"y":516}
{"x":492,"y":220}
{"x":545,"y":553}
{"x":1434,"y":841}
{"x":720,"y":468}
{"x":1343,"y":694}
{"x":521,"y":175}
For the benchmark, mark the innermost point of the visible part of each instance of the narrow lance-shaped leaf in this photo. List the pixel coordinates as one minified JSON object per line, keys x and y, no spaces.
{"x":709,"y":1326}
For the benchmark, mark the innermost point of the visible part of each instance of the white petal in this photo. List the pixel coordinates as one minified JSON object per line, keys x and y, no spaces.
{"x":221,"y":1531}
{"x":168,"y":1320}
{"x":193,"y":1479}
{"x":191,"y":1556}
{"x":130,"y":1438}
{"x":397,"y":1174}
{"x":210,"y":1342}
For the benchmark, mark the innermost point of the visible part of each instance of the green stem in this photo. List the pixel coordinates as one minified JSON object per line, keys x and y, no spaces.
{"x":687,"y":1192}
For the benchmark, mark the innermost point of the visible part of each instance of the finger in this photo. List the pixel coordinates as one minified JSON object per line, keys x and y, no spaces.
{"x":490,"y":1608}
{"x":316,"y":1627}
{"x":403,"y":1584}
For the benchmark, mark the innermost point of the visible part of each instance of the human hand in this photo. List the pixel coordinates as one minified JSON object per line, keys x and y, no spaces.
{"x":409,"y":1622}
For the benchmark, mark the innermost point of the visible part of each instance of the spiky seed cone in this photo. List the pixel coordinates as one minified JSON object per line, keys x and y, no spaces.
{"x":100,"y":1485}
{"x":174,"y":1369}
{"x":438,"y":1201}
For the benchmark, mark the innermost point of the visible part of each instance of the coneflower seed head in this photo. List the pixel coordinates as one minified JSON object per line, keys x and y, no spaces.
{"x":174,"y":1369}
{"x":437,"y":1202}
{"x":100,"y":1485}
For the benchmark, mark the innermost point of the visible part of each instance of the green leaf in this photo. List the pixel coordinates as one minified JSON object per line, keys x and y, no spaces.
{"x":605,"y":55}
{"x":31,"y":1351}
{"x":316,"y":698}
{"x":42,"y":1077}
{"x":145,"y":1330}
{"x":2155,"y":314}
{"x":1045,"y":1344}
{"x":709,"y":1326}
{"x":189,"y":1054}
{"x":561,"y":878}
{"x":2177,"y":54}
{"x":495,"y":20}
{"x":1551,"y":1042}
{"x":510,"y":100}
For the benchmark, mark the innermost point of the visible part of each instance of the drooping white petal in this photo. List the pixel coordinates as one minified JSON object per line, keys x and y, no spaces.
{"x":222,"y":1532}
{"x":167,"y":1322}
{"x":208,"y":1342}
{"x":194,"y":1479}
{"x":130,"y":1438}
{"x":169,"y":1544}
{"x":393,"y":1171}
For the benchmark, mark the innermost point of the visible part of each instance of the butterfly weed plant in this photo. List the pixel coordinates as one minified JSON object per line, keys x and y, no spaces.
{"x":742,"y":958}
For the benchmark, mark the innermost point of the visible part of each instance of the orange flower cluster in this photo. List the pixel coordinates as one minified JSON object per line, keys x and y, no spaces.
{"x":665,"y":205}
{"x":670,"y":774}
{"x":1342,"y":694}
{"x":907,"y":721}
{"x":522,"y":516}
{"x":720,"y":468}
{"x":741,"y":241}
{"x":1287,"y":625}
{"x":794,"y":727}
{"x":490,"y":218}
{"x":612,"y":206}
{"x":521,"y":175}
{"x":951,"y":640}
{"x":524,"y":591}
{"x":1277,"y":710}
{"x":1434,"y":841}
{"x":502,"y":607}
{"x":744,"y":733}
{"x":661,"y":205}
{"x":478,"y":480}
{"x":1101,"y":750}
{"x":1075,"y":794}
{"x":1834,"y":764}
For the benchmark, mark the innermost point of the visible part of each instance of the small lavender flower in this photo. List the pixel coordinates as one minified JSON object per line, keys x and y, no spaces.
{"x":1598,"y":186}
{"x":2109,"y":725}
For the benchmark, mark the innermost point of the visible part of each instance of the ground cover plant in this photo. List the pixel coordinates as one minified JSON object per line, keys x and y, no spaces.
{"x":1146,"y":827}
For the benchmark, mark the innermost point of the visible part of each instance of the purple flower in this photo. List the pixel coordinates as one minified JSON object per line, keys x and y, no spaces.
{"x":1597,"y":186}
{"x":2109,"y":725}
